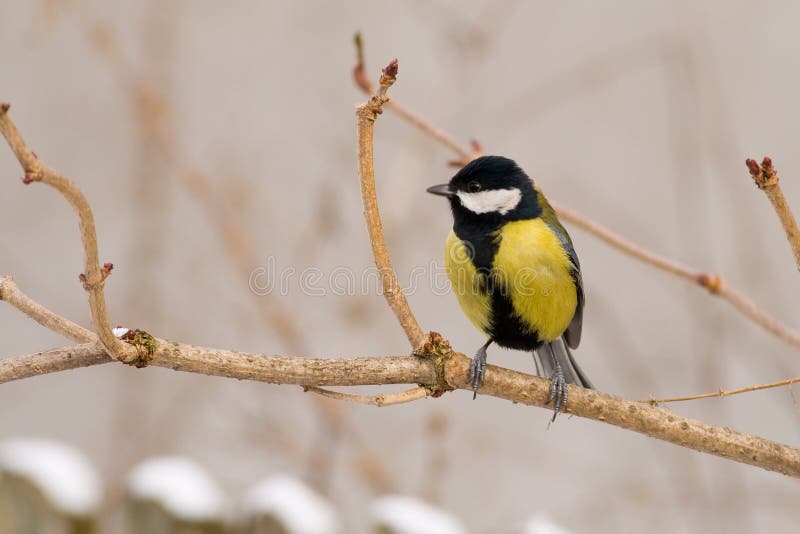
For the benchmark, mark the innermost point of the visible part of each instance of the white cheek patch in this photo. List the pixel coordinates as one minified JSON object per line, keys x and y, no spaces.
{"x":495,"y":200}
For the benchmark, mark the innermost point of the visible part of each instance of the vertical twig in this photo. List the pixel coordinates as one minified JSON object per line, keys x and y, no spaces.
{"x":367,"y":113}
{"x":766,"y":178}
{"x":361,"y":80}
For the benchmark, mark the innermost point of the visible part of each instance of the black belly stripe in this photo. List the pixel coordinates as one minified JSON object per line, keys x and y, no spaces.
{"x":507,"y":328}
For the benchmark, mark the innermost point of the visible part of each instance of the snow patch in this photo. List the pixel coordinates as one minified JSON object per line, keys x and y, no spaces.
{"x":299,"y":508}
{"x":409,"y":515}
{"x":541,"y":524}
{"x":63,"y":474}
{"x":180,"y":485}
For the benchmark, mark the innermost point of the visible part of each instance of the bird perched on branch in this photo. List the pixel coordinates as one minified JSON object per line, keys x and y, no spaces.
{"x":514,"y":270}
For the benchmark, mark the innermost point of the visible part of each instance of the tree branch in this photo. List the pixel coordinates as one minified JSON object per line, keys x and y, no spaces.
{"x":648,"y":420}
{"x":52,"y":361}
{"x":714,"y":283}
{"x":439,"y":364}
{"x":367,"y":113}
{"x":10,"y":293}
{"x":94,"y":277}
{"x":766,"y":178}
{"x":437,"y":368}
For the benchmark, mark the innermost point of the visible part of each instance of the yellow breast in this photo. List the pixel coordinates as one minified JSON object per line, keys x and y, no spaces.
{"x":533,"y":270}
{"x":536,"y":269}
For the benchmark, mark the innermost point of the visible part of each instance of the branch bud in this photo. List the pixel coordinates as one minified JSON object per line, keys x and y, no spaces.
{"x":764,"y":175}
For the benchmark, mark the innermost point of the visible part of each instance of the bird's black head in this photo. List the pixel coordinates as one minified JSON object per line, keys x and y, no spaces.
{"x":490,"y":189}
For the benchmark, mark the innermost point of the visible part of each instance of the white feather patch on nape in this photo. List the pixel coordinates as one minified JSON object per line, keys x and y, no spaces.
{"x":499,"y":200}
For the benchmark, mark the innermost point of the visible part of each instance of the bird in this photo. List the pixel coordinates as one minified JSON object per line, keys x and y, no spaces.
{"x":514,"y":271}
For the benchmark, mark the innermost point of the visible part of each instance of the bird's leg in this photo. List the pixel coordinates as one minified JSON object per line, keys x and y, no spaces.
{"x":478,"y":368}
{"x":536,"y":364}
{"x":558,"y":385}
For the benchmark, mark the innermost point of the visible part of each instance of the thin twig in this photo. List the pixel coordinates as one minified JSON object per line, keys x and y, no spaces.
{"x":766,"y":178}
{"x":437,"y":133}
{"x":10,"y":293}
{"x":94,"y":276}
{"x":367,"y":113}
{"x":723,"y":392}
{"x":631,"y":249}
{"x":714,"y":283}
{"x":767,"y":322}
{"x":389,"y":399}
{"x":361,"y":80}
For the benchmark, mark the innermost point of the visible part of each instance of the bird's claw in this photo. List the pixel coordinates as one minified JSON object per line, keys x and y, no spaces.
{"x":558,"y":390}
{"x":477,"y":370}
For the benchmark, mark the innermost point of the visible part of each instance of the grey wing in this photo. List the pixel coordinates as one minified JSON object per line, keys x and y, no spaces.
{"x":572,"y":335}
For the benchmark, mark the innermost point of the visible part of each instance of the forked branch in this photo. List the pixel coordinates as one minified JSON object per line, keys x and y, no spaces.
{"x":94,"y":276}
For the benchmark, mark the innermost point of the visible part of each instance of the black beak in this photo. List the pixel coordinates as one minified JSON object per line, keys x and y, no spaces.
{"x":442,"y":190}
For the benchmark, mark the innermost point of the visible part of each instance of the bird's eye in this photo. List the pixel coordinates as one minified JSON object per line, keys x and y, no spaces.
{"x":473,"y":187}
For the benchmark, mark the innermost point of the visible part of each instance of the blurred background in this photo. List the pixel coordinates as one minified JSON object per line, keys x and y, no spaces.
{"x":209,"y":137}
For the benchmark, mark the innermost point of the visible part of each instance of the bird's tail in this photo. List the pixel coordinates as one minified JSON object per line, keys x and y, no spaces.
{"x":557,"y":350}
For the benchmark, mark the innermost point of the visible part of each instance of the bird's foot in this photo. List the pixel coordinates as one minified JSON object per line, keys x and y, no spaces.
{"x":477,"y":370}
{"x":558,"y":390}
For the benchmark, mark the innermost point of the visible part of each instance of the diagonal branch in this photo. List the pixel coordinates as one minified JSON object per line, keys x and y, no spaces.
{"x":645,"y":419}
{"x":10,"y":293}
{"x":714,"y":283}
{"x":367,"y":113}
{"x":94,"y":276}
{"x":766,"y":178}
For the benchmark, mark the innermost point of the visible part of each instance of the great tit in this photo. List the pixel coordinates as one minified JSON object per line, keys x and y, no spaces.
{"x":514,"y":271}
